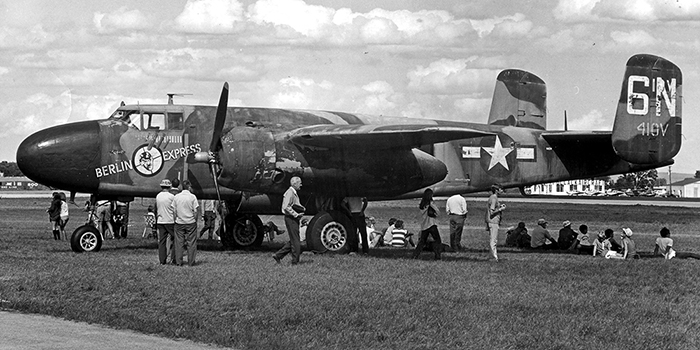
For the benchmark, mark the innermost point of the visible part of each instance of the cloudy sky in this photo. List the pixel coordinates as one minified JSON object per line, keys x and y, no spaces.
{"x":72,"y":60}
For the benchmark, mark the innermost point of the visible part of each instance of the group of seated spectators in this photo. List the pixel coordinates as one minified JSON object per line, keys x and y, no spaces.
{"x":602,"y":244}
{"x":394,"y":236}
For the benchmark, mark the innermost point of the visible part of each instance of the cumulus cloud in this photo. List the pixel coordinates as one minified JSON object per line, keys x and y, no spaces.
{"x":210,"y":16}
{"x":344,"y":26}
{"x":636,"y":38}
{"x":509,"y":26}
{"x":121,"y":20}
{"x":632,"y":10}
{"x":593,"y":120}
{"x":447,"y":76}
{"x":306,"y":19}
{"x":4,"y":70}
{"x":575,"y":10}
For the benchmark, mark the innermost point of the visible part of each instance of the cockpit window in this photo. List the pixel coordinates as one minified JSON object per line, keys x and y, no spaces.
{"x":154,"y":121}
{"x":175,"y":121}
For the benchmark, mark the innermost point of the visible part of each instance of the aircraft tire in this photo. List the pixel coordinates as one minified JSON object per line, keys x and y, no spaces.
{"x":86,"y":238}
{"x":240,"y":236}
{"x":328,"y":232}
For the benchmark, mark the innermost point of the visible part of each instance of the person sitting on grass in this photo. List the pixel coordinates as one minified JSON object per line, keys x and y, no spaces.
{"x":516,"y":236}
{"x":385,"y":238}
{"x":567,"y":237}
{"x":540,"y":236}
{"x":664,"y":247}
{"x":601,"y":246}
{"x":629,"y":248}
{"x":400,"y":237}
{"x":584,"y":241}
{"x":610,"y":236}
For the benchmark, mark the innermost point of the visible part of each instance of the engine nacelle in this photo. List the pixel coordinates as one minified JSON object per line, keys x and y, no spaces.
{"x":248,"y":159}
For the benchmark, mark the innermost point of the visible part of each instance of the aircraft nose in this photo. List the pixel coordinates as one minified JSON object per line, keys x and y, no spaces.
{"x":63,"y":156}
{"x":432,"y":169}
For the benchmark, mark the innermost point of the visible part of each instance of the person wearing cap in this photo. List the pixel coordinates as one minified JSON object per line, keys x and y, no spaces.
{"x":456,"y":207}
{"x":540,"y":236}
{"x":165,"y":223}
{"x":567,"y":236}
{"x":494,"y":211}
{"x":629,"y":248}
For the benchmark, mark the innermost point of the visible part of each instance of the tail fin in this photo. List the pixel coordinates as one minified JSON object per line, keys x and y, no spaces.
{"x":647,"y":126}
{"x":519,"y":99}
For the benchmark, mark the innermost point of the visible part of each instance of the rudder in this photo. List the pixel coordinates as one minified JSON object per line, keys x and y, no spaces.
{"x":647,"y":127}
{"x":519,"y":99}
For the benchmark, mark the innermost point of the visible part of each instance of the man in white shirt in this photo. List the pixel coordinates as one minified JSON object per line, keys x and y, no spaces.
{"x":165,"y":223}
{"x":457,"y":212}
{"x":290,"y":201}
{"x":185,"y":207}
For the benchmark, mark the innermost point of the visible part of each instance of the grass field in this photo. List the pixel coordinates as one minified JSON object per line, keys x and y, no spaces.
{"x":243,"y":299}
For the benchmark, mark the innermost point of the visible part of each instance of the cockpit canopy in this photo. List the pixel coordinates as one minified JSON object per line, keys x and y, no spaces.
{"x":151,"y":117}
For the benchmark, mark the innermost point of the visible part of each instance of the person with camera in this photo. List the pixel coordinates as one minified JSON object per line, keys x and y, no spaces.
{"x":494,"y":211}
{"x":428,"y":226}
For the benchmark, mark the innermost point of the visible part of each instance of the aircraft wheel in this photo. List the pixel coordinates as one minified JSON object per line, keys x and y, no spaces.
{"x":329,"y":232}
{"x":86,"y":238}
{"x":243,"y":231}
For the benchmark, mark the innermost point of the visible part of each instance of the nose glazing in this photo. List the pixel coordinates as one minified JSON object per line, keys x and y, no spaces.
{"x":63,"y":156}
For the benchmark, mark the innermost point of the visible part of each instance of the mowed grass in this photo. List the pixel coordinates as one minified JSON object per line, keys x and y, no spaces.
{"x":386,"y":300}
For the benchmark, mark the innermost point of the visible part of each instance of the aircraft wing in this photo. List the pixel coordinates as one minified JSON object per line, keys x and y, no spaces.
{"x":557,"y":138}
{"x":380,"y":136}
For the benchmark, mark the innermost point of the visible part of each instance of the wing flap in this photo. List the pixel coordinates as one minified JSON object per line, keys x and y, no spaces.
{"x":380,"y":136}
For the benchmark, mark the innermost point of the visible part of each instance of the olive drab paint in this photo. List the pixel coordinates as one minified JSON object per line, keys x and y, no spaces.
{"x":647,"y":126}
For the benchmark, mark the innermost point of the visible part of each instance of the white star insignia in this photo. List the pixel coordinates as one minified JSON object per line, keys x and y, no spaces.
{"x":498,"y":154}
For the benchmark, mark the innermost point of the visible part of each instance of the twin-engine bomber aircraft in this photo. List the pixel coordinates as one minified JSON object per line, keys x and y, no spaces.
{"x":246,"y":156}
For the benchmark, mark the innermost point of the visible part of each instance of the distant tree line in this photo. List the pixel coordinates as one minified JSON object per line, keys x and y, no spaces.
{"x":10,"y":169}
{"x":638,"y":181}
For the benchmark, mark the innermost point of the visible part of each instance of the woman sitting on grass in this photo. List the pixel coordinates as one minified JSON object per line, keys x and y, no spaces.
{"x":664,"y":247}
{"x":629,"y":248}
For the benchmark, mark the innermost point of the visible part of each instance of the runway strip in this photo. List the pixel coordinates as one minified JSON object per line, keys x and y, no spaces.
{"x":595,"y":201}
{"x":29,"y":332}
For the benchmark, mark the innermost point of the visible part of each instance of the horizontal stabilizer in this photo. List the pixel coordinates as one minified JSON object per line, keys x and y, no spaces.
{"x":558,"y":137}
{"x":380,"y":136}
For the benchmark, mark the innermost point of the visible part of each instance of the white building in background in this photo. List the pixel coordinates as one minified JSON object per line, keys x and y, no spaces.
{"x":569,"y":187}
{"x":687,"y":188}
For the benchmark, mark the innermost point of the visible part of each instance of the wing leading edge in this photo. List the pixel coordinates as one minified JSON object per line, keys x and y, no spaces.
{"x":380,"y":136}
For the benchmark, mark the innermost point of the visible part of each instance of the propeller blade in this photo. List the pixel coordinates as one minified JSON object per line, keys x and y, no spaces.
{"x":218,"y":195}
{"x":220,"y":120}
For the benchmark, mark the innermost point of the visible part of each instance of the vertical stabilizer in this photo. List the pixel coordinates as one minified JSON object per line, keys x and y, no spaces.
{"x":647,"y":126}
{"x":519,"y":99}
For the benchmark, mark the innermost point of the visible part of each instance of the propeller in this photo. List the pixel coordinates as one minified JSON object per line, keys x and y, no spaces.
{"x":211,"y":157}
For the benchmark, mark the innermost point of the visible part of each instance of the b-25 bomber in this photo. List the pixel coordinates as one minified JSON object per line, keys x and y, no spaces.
{"x":246,"y":156}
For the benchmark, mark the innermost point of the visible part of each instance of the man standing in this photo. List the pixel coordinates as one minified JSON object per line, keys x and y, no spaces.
{"x":540,"y":236}
{"x":209,"y":217}
{"x":493,"y":218}
{"x":185,"y":210}
{"x":357,"y":206}
{"x":293,"y":211}
{"x":165,"y":223}
{"x":457,"y":212}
